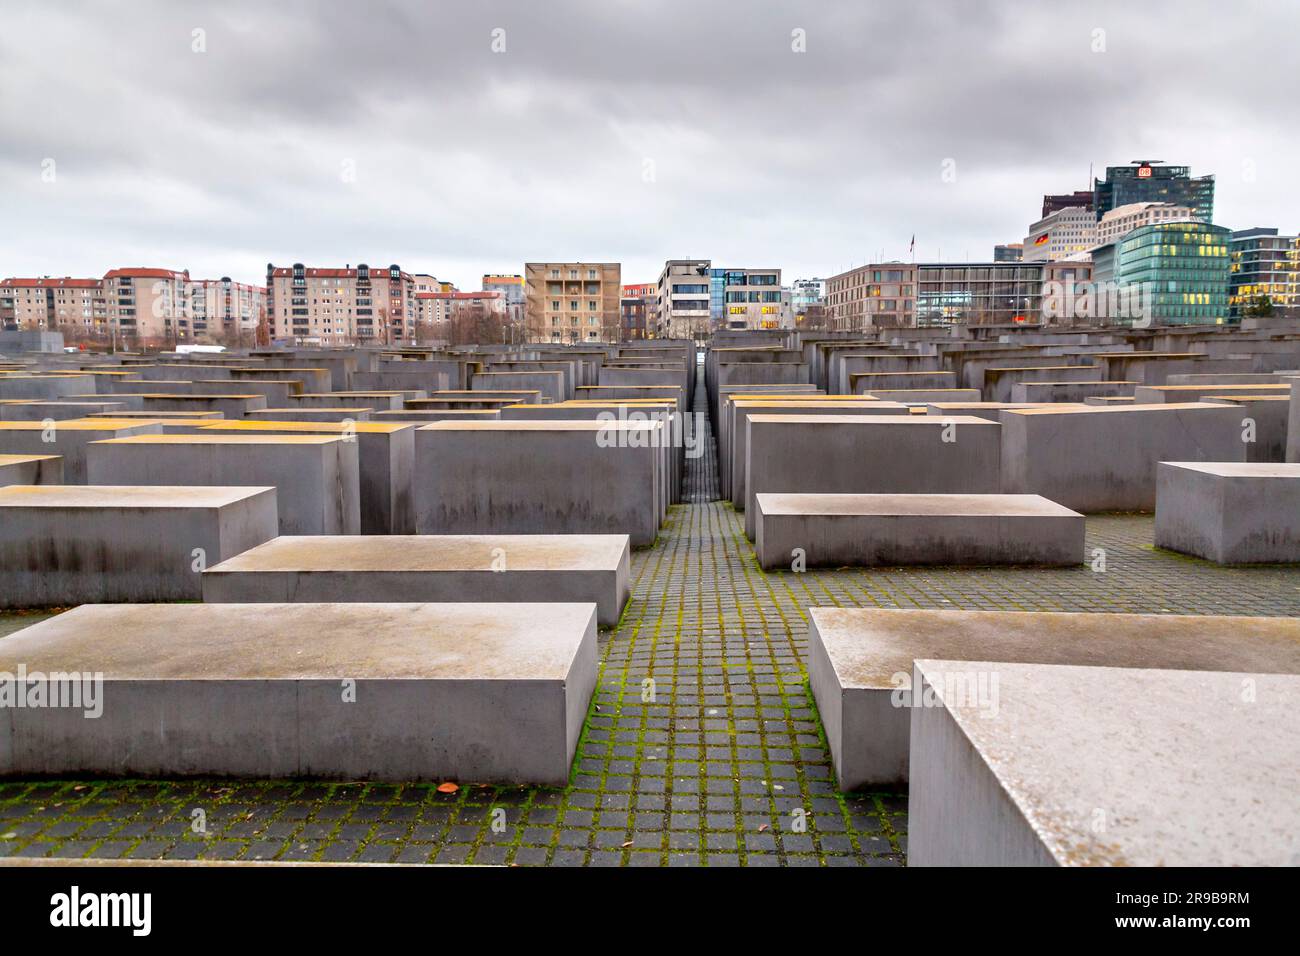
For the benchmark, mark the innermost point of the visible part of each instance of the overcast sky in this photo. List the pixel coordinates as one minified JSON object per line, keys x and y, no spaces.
{"x":462,"y":138}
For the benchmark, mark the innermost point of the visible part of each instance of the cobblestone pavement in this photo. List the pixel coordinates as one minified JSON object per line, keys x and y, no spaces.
{"x":719,"y":762}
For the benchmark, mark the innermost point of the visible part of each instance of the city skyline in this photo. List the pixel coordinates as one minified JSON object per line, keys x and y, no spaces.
{"x":460,"y":142}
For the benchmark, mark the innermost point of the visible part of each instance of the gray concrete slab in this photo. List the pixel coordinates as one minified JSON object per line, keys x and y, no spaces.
{"x":31,"y":470}
{"x":866,"y":454}
{"x":62,"y":410}
{"x":539,"y":477}
{"x":69,"y":440}
{"x":1229,"y":512}
{"x":860,"y":662}
{"x":863,"y":530}
{"x":385,"y":463}
{"x":1096,"y":459}
{"x":316,"y":476}
{"x":490,"y":693}
{"x":78,"y":544}
{"x":1095,"y":766}
{"x":447,"y":568}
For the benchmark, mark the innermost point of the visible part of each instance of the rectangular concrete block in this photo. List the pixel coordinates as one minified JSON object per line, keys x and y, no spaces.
{"x":385,"y":464}
{"x":864,"y":530}
{"x":78,"y":544}
{"x":1095,"y":459}
{"x":1229,"y":513}
{"x":486,"y":693}
{"x":315,"y":476}
{"x":881,"y":454}
{"x":69,"y":440}
{"x":860,"y":662}
{"x":539,"y":477}
{"x":309,"y":415}
{"x":63,"y":410}
{"x":1096,"y":766}
{"x":446,"y":568}
{"x":31,"y":470}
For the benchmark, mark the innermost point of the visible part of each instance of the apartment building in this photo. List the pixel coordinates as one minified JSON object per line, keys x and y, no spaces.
{"x":1264,"y":266}
{"x":806,"y":293}
{"x":52,"y":303}
{"x":1066,"y":232}
{"x":221,"y":308}
{"x":512,"y":290}
{"x":571,"y":302}
{"x":637,"y":307}
{"x":434,"y":309}
{"x":341,"y":306}
{"x":149,"y":307}
{"x":1117,"y":223}
{"x":683,"y":306}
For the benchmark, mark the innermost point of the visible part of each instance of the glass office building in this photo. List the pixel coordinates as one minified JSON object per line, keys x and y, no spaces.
{"x":1148,"y":181}
{"x":1264,"y":265}
{"x":1184,"y":265}
{"x":986,"y":293}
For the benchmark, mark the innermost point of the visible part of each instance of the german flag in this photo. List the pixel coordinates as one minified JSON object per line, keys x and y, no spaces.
{"x":1041,"y":240}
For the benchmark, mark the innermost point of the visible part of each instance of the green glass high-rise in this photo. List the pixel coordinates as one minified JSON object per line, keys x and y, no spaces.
{"x":1185,"y":267}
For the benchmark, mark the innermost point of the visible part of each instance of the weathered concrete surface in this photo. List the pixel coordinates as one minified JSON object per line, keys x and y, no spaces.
{"x":1048,"y":391}
{"x":453,"y":568}
{"x":19,"y":411}
{"x":310,"y":415}
{"x":230,"y":406}
{"x":924,"y":396}
{"x":316,"y":476}
{"x":1229,"y":513}
{"x":866,"y":454}
{"x":863,"y":530}
{"x":1267,"y":415}
{"x":385,"y":463}
{"x":78,"y":544}
{"x":438,"y":415}
{"x":860,"y":662}
{"x":733,"y":435}
{"x":45,"y":387}
{"x":1000,"y":383}
{"x":986,"y":410}
{"x":1095,"y":766}
{"x":1293,"y":427}
{"x":376,"y":401}
{"x":539,"y":477}
{"x":31,"y":470}
{"x":550,"y":384}
{"x":492,"y":693}
{"x":869,"y":383}
{"x":1104,"y":459}
{"x":69,"y":440}
{"x":1163,"y":394}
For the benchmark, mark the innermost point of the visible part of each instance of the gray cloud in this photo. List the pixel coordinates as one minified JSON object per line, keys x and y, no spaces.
{"x":469,"y":161}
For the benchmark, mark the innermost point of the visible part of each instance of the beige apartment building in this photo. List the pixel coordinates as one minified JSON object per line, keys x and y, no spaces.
{"x":341,"y":306}
{"x":54,"y":304}
{"x":149,"y":307}
{"x":434,"y":310}
{"x":224,"y":309}
{"x":573,"y":302}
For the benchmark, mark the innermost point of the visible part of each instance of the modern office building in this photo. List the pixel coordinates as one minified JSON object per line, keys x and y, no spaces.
{"x":340,"y":306}
{"x":1119,"y":222}
{"x":1079,"y":199}
{"x":1181,"y":269}
{"x":684,"y":306}
{"x":1264,"y":268}
{"x":904,"y":294}
{"x":1065,"y":232}
{"x":694,"y":298}
{"x":1009,"y":252}
{"x":805,"y":293}
{"x":1152,"y":181}
{"x":571,"y":302}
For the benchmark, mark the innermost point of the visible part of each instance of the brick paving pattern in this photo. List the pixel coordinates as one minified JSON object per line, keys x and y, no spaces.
{"x":702,"y":746}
